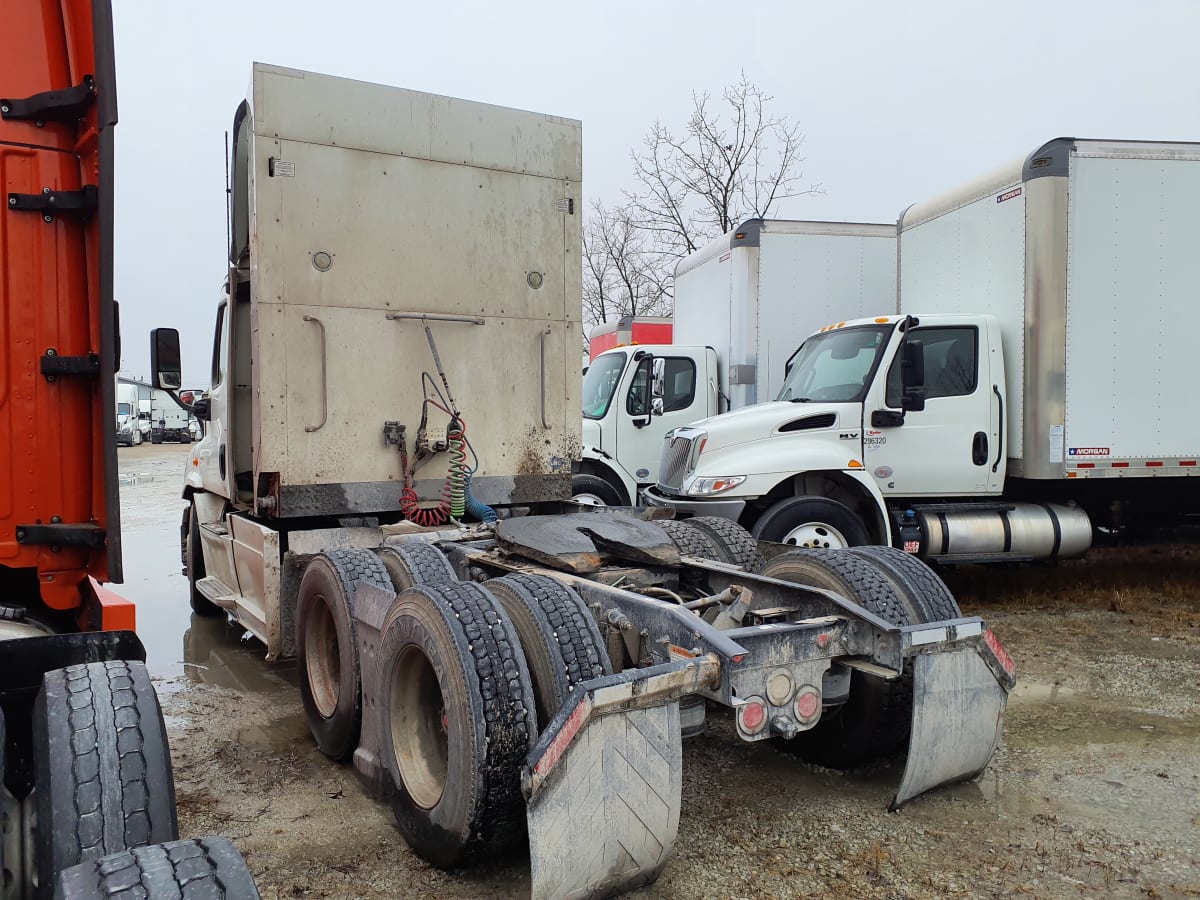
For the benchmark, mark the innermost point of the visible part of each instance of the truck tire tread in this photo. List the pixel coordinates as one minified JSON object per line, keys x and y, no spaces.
{"x":563,"y":646}
{"x":737,"y":543}
{"x":931,"y":600}
{"x":337,"y":734}
{"x":207,"y":868}
{"x":503,"y":720}
{"x":409,"y":565}
{"x":102,"y":765}
{"x":875,"y":721}
{"x":692,"y":541}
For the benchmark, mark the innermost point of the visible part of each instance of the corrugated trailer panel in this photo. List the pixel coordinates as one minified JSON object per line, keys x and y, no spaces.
{"x":1133,"y":306}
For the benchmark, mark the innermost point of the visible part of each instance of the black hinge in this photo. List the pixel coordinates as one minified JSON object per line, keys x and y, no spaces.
{"x":66,"y":105}
{"x":54,"y":365}
{"x":62,"y":535}
{"x":49,"y":202}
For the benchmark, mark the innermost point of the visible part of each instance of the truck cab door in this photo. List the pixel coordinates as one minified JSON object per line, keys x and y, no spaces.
{"x":657,"y":394}
{"x":952,"y":447}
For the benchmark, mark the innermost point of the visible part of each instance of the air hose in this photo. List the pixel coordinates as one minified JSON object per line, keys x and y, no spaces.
{"x":475,"y":508}
{"x":456,"y":469}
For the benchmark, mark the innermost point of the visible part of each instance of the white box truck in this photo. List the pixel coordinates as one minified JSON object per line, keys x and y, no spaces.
{"x":169,"y":421}
{"x":133,"y":411}
{"x":1037,"y":381}
{"x":404,"y":265}
{"x":743,"y":304}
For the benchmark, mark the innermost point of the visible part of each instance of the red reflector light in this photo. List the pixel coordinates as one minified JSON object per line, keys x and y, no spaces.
{"x":808,"y":703}
{"x":1154,"y":464}
{"x":752,"y":715}
{"x":993,"y":642}
{"x":1187,"y":462}
{"x":1124,"y":465}
{"x":1086,"y":465}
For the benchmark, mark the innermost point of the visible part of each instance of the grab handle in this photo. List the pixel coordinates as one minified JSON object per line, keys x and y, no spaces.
{"x":324,"y":381}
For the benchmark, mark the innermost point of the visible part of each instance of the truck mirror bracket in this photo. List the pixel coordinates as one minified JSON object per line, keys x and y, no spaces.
{"x":887,"y":418}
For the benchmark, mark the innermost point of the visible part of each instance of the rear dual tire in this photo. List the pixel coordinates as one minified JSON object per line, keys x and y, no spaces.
{"x":203,"y":869}
{"x":456,"y":691}
{"x":876,"y":719}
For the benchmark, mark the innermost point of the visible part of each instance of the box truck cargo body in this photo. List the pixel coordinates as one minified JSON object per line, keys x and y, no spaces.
{"x":743,"y":304}
{"x":1052,"y":305}
{"x":629,"y":330}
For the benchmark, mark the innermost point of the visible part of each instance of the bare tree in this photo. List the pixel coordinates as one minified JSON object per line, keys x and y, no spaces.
{"x":623,"y":273}
{"x":734,"y":161}
{"x":731,"y":163}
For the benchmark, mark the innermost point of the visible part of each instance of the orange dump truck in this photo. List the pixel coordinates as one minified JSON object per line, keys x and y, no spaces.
{"x":83,"y":751}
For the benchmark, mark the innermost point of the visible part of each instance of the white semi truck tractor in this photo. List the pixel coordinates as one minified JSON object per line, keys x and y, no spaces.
{"x":383,"y":491}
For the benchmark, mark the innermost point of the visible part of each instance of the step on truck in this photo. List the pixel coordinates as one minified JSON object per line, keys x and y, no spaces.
{"x":1032,"y":388}
{"x":87,"y":802}
{"x":743,"y":304}
{"x":394,"y":416}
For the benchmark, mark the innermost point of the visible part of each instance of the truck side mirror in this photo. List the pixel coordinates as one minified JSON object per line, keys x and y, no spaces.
{"x":658,"y":377}
{"x":165,"y":365}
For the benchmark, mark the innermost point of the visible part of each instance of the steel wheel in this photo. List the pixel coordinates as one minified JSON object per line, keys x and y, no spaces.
{"x":816,"y":536}
{"x":417,"y":713}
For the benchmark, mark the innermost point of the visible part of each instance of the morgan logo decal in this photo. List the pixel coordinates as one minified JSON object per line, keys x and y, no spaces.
{"x":1087,"y":451}
{"x":1008,"y":195}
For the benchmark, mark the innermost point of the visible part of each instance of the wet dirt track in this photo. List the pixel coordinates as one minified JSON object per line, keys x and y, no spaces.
{"x":1094,"y":792}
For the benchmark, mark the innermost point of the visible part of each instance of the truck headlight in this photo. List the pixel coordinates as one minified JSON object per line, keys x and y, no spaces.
{"x":707,"y":486}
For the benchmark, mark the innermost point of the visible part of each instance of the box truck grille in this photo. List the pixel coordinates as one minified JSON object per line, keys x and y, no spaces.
{"x":677,"y":452}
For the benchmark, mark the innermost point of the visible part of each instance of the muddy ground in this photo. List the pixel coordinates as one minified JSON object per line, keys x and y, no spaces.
{"x":1095,"y":790}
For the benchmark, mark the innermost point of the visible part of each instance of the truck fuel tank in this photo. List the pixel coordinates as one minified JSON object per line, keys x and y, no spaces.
{"x":991,"y":532}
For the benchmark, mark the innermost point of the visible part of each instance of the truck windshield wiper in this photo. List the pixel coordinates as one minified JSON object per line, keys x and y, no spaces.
{"x":801,"y":400}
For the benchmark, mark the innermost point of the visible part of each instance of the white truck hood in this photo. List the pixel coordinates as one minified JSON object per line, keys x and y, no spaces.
{"x":754,"y":423}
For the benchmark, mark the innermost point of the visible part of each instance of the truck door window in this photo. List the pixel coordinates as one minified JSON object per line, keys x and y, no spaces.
{"x":600,"y":383}
{"x":637,"y":401}
{"x":678,"y":383}
{"x":951,"y":364}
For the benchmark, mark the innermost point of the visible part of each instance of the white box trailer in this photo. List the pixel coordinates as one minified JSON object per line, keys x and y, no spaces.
{"x":743,"y":304}
{"x":403,"y":264}
{"x":1085,"y":252}
{"x":755,"y":294}
{"x":1053,"y":303}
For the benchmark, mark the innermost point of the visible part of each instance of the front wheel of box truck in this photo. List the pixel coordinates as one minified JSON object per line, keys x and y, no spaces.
{"x":102,"y":766}
{"x":459,"y":719}
{"x":815,"y":523}
{"x":327,"y":647}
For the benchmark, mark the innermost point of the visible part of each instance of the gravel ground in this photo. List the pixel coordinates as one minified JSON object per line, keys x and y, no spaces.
{"x":1095,"y":790}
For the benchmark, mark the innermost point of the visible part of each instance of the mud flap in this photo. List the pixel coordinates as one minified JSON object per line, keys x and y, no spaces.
{"x":958,"y":712}
{"x":603,"y":784}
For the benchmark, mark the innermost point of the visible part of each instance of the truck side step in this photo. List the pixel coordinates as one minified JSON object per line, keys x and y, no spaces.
{"x":216,"y":591}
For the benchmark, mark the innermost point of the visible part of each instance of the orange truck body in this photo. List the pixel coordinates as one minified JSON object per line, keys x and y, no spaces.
{"x":629,"y":330}
{"x":59,"y":512}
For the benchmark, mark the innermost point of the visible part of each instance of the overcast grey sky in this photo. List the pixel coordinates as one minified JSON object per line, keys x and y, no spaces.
{"x":899,"y":100}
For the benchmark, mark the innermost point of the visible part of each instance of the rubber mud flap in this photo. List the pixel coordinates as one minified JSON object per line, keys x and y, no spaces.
{"x":958,"y":713}
{"x":606,"y":818}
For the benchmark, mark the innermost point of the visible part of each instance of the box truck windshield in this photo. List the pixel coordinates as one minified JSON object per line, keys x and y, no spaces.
{"x":835,"y":366}
{"x":600,"y":383}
